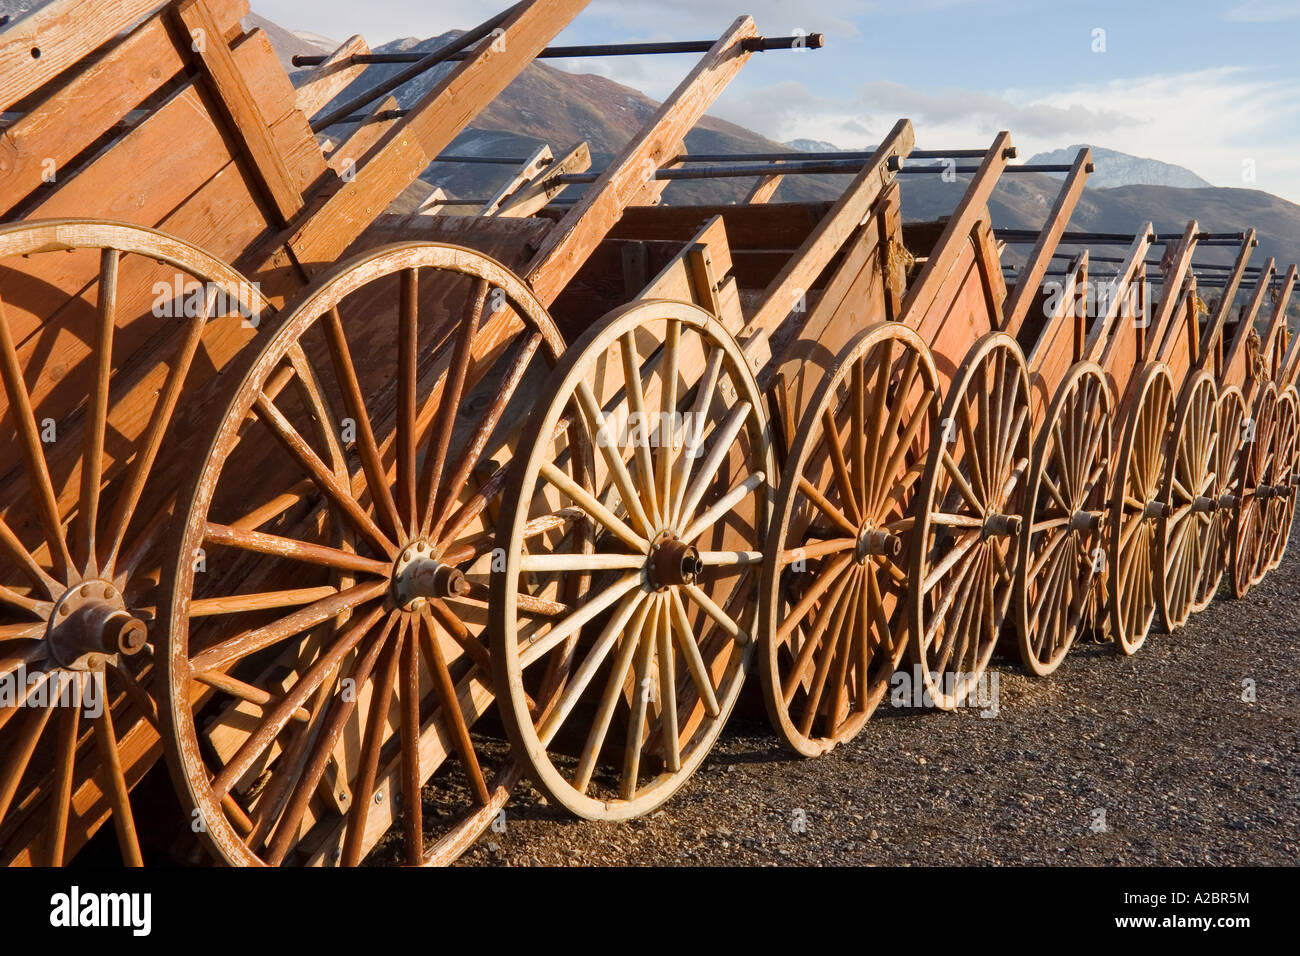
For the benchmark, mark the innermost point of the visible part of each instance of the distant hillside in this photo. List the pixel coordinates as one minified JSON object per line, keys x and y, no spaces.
{"x":1120,"y":169}
{"x":811,"y":146}
{"x":288,"y":44}
{"x":547,"y":105}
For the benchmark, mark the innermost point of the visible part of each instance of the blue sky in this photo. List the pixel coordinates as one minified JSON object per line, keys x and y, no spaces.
{"x":1213,"y":86}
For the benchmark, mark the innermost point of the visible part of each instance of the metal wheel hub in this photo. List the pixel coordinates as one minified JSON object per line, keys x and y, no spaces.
{"x":91,"y":625}
{"x":418,"y":576}
{"x":673,"y":562}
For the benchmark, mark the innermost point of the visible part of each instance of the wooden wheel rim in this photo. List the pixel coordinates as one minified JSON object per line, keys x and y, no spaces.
{"x":892,"y":360}
{"x":193,"y":776}
{"x":1132,"y":526}
{"x":1070,"y":469}
{"x":1282,"y":508}
{"x":1227,"y":482}
{"x":735,"y":651}
{"x":993,"y":376}
{"x":1182,"y":535}
{"x":1249,"y":551}
{"x":92,"y":571}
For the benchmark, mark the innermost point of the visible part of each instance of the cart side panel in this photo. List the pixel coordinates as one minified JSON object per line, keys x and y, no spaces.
{"x":62,"y":125}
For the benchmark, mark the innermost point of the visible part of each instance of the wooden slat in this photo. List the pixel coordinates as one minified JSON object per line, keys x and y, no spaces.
{"x":332,"y":77}
{"x":524,"y":175}
{"x":590,"y":220}
{"x":242,"y":108}
{"x":792,"y":283}
{"x":351,"y":155}
{"x":60,"y":127}
{"x":1277,"y":321}
{"x":1237,"y":370}
{"x":922,"y":294}
{"x":1100,"y":337}
{"x":52,"y":38}
{"x":537,"y":194}
{"x":429,"y":127}
{"x":1209,"y":344}
{"x":764,"y":189}
{"x":1030,"y":281}
{"x":1177,"y":262}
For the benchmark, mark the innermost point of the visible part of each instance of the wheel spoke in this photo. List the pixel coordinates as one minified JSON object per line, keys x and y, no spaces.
{"x":371,"y":463}
{"x":226,"y":652}
{"x":38,"y":474}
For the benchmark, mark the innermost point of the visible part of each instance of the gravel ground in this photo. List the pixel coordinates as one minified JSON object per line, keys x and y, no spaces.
{"x":1149,"y":760}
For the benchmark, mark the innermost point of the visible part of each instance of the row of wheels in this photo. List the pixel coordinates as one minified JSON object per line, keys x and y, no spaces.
{"x":1100,"y":526}
{"x":407,"y":546}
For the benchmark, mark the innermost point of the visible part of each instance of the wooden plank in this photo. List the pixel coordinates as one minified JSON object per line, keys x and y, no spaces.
{"x":332,"y":77}
{"x":1238,"y":368}
{"x":855,"y":296}
{"x":601,"y":206}
{"x":1177,"y":262}
{"x":949,"y":248}
{"x":1095,"y":346}
{"x":1276,"y":325}
{"x":54,"y":37}
{"x":1214,"y":329}
{"x":242,"y":109}
{"x":352,"y":152}
{"x":182,"y":153}
{"x":1291,"y":358}
{"x":764,"y":189}
{"x":524,"y":175}
{"x":101,"y":95}
{"x":428,"y":128}
{"x":1031,"y":276}
{"x":536,"y":195}
{"x":791,"y":285}
{"x":773,"y":226}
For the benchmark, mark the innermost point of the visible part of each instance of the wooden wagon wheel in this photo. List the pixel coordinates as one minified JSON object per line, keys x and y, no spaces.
{"x":1281,"y":508}
{"x":81,"y":523}
{"x":1226,"y":492}
{"x":833,"y":585}
{"x":1135,"y":505}
{"x":969,"y":513}
{"x":1182,"y":532}
{"x":1249,"y":548}
{"x":328,"y":659}
{"x":651,"y":565}
{"x":1059,"y":579}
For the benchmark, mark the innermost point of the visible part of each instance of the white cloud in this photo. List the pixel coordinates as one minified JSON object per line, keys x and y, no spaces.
{"x":1214,"y":122}
{"x":1264,"y":11}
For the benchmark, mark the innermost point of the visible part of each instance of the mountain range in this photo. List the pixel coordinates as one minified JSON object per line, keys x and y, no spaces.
{"x":548,"y":105}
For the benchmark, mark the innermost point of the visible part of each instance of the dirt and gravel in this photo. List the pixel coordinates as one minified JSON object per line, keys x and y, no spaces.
{"x":1154,"y":759}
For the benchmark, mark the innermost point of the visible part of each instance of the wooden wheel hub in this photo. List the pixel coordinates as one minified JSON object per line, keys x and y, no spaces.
{"x":1002,"y":526}
{"x":673,"y":562}
{"x":91,"y":623}
{"x":418,"y":577}
{"x":1087,"y":522}
{"x":1155,"y":509}
{"x":872,"y":542}
{"x":1205,"y":505}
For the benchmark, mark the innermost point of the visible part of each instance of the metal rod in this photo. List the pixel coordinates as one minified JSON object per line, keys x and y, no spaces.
{"x":809,"y":41}
{"x":1070,"y":238}
{"x":1027,"y":168}
{"x":423,"y":65}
